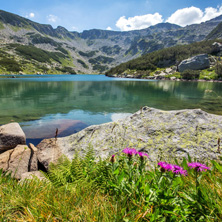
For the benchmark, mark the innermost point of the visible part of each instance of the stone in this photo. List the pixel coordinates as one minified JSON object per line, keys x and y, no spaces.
{"x":217,"y":47}
{"x":195,"y":63}
{"x":33,"y":175}
{"x":165,"y":135}
{"x":10,"y":136}
{"x":4,"y":160}
{"x":212,"y":60}
{"x":16,"y":160}
{"x":49,"y":151}
{"x":33,"y":158}
{"x":150,"y":77}
{"x":169,"y":70}
{"x":174,"y":69}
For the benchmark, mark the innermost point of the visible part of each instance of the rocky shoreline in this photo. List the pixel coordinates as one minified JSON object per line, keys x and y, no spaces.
{"x":198,"y":62}
{"x":163,"y":135}
{"x":164,"y":78}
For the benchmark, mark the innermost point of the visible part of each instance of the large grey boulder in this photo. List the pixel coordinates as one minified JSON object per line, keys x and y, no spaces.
{"x":16,"y":161}
{"x":195,"y":63}
{"x":162,"y":134}
{"x":10,"y":136}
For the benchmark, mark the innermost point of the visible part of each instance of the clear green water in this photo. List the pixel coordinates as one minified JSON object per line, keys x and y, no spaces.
{"x":71,"y":102}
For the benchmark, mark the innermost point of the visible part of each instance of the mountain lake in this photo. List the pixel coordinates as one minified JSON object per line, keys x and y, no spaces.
{"x":40,"y":104}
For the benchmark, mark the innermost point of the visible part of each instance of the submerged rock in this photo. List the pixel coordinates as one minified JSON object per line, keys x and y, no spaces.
{"x":162,"y":134}
{"x":47,"y":129}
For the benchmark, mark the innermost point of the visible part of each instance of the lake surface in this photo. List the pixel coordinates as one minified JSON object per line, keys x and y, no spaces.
{"x":72,"y":102}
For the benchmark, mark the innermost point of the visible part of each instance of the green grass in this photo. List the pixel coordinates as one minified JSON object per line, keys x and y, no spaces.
{"x":124,"y":188}
{"x":1,"y":26}
{"x":32,"y":60}
{"x":208,"y":74}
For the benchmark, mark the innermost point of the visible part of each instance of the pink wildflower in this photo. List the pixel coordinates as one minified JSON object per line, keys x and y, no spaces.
{"x":198,"y":166}
{"x":112,"y":160}
{"x":179,"y":170}
{"x":165,"y":166}
{"x":130,"y":151}
{"x":174,"y":168}
{"x":142,"y":155}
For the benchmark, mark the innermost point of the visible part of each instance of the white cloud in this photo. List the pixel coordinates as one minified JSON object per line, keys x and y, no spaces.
{"x":109,"y":28}
{"x":211,"y":13}
{"x":138,"y":22}
{"x":193,"y":15}
{"x":52,"y":18}
{"x":30,"y":15}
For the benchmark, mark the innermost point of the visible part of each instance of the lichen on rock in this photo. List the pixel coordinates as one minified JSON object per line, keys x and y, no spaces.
{"x":162,"y":134}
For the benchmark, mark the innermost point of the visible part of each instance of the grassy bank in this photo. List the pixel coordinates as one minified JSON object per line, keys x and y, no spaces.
{"x":123,"y":188}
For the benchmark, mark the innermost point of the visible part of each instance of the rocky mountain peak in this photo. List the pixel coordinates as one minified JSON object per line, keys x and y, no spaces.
{"x":95,"y":51}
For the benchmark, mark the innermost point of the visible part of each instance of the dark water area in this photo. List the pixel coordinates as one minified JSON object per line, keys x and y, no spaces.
{"x":72,"y":102}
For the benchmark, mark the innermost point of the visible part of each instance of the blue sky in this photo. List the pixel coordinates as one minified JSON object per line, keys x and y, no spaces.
{"x":115,"y":15}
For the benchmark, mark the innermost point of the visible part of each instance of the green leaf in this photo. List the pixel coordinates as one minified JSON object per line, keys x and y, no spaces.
{"x":121,"y":177}
{"x":116,"y":171}
{"x":188,"y":197}
{"x":199,"y":178}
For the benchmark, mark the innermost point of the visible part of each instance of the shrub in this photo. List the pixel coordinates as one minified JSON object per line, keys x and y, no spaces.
{"x":190,"y":74}
{"x":67,"y":69}
{"x":31,"y":52}
{"x":82,"y":63}
{"x":87,"y":54}
{"x":10,"y":64}
{"x":218,"y":69}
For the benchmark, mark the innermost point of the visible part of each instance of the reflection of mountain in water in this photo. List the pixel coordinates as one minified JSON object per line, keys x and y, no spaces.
{"x":27,"y":100}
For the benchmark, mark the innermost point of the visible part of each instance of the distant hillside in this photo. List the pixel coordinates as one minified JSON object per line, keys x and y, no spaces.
{"x":216,"y":33}
{"x":92,"y":51}
{"x":163,"y":58}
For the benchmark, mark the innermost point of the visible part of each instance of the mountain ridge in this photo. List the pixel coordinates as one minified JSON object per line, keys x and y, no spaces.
{"x":90,"y":51}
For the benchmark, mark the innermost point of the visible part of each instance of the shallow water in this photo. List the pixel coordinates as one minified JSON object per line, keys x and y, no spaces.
{"x":71,"y":102}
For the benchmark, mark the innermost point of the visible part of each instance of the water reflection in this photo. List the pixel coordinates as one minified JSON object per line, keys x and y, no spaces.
{"x":93,"y":102}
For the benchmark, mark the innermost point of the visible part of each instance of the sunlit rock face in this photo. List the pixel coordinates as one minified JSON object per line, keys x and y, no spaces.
{"x":164,"y":135}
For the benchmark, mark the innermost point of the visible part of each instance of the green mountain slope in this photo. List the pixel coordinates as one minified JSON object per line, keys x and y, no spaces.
{"x":92,"y":51}
{"x":172,"y":56}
